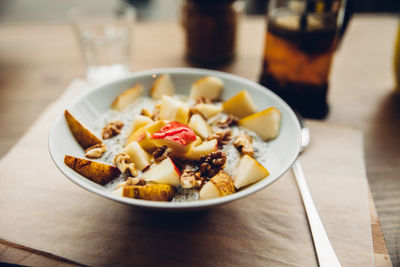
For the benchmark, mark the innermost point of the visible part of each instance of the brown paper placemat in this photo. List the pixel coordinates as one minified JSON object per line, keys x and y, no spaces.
{"x":42,"y":209}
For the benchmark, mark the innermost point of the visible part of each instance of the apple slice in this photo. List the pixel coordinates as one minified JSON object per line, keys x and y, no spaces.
{"x":248,"y":172}
{"x":177,"y":136}
{"x":154,"y":192}
{"x":125,"y":98}
{"x":174,"y":110}
{"x":240,"y":105}
{"x":265,"y":123}
{"x":97,"y":172}
{"x":209,"y":87}
{"x":200,"y":126}
{"x":138,"y":122}
{"x":208,"y":110}
{"x":218,"y":186}
{"x":137,"y":155}
{"x":162,"y":86}
{"x":203,"y":149}
{"x":164,"y":172}
{"x":82,"y":135}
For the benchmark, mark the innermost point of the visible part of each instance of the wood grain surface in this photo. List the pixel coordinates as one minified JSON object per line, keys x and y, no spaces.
{"x":37,"y":61}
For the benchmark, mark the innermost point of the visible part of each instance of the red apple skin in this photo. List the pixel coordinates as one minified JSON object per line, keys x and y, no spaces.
{"x":176,"y":168}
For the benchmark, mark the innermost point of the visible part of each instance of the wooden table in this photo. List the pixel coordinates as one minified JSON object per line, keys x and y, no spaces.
{"x":37,"y":61}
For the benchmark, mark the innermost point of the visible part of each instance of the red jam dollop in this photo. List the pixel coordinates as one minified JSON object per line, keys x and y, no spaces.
{"x":177,"y":132}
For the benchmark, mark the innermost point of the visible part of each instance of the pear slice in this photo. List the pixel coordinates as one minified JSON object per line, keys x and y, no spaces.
{"x":138,"y":122}
{"x":248,"y":172}
{"x":240,"y":105}
{"x":265,"y":123}
{"x":203,"y":149}
{"x":82,"y":135}
{"x":143,"y":135}
{"x":208,"y":110}
{"x":209,"y":87}
{"x":199,"y":126}
{"x":218,"y":186}
{"x":164,"y":172}
{"x":162,"y":86}
{"x":97,"y":172}
{"x":174,"y":110}
{"x":154,"y":192}
{"x":137,"y":155}
{"x":125,"y":98}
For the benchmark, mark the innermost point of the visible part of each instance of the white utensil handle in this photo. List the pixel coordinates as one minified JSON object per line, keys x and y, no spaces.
{"x":325,"y":253}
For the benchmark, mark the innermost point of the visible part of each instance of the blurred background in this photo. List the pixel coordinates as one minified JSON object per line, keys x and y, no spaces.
{"x":149,"y":10}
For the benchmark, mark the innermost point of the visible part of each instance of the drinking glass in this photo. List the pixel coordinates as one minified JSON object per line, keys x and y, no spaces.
{"x":301,"y":38}
{"x":104,"y":35}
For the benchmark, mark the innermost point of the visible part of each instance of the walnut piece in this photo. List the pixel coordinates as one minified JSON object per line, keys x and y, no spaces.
{"x":222,"y":137}
{"x":161,"y":153}
{"x":111,"y":129}
{"x":212,"y":163}
{"x":229,"y":121}
{"x":244,"y":144}
{"x":96,"y":151}
{"x":131,"y":181}
{"x":122,"y":161}
{"x":190,"y":179}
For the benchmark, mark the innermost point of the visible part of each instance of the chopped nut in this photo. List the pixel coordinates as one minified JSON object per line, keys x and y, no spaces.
{"x":135,"y":181}
{"x":111,"y":129}
{"x":96,"y":151}
{"x":203,"y":100}
{"x":131,"y":181}
{"x":190,"y":179}
{"x":122,"y":161}
{"x":229,"y":121}
{"x":244,"y":144}
{"x":156,"y":113}
{"x":222,"y":137}
{"x":212,"y":163}
{"x":146,"y":112}
{"x":161,"y":153}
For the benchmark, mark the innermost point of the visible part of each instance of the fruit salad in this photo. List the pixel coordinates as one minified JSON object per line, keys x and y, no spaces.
{"x":169,"y":147}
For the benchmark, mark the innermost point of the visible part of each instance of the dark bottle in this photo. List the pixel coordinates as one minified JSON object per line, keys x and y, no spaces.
{"x":210,"y":30}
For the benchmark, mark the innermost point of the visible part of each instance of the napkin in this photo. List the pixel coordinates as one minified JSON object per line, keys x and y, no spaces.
{"x":42,"y":209}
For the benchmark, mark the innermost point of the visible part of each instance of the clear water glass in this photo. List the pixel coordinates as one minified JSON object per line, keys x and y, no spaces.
{"x":104,"y":35}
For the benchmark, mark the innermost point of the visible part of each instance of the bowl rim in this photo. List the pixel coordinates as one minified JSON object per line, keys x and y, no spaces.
{"x":78,"y":179}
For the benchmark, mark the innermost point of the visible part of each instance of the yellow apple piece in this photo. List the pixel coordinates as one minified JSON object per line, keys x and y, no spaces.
{"x":154,"y":192}
{"x":248,"y":172}
{"x":199,"y":126}
{"x":208,"y":110}
{"x":203,"y":149}
{"x":265,"y":123}
{"x":97,"y":172}
{"x":137,"y":155}
{"x":219,"y":185}
{"x":164,"y":172}
{"x":143,"y":134}
{"x":209,"y":87}
{"x":163,"y":85}
{"x":240,"y":105}
{"x":139,"y":121}
{"x":125,"y":98}
{"x":174,"y":110}
{"x":82,"y":135}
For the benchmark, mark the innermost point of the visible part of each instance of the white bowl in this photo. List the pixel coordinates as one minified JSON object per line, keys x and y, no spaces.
{"x":282,"y":151}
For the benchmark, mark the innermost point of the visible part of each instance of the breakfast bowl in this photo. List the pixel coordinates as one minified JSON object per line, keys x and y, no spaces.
{"x":93,"y":109}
